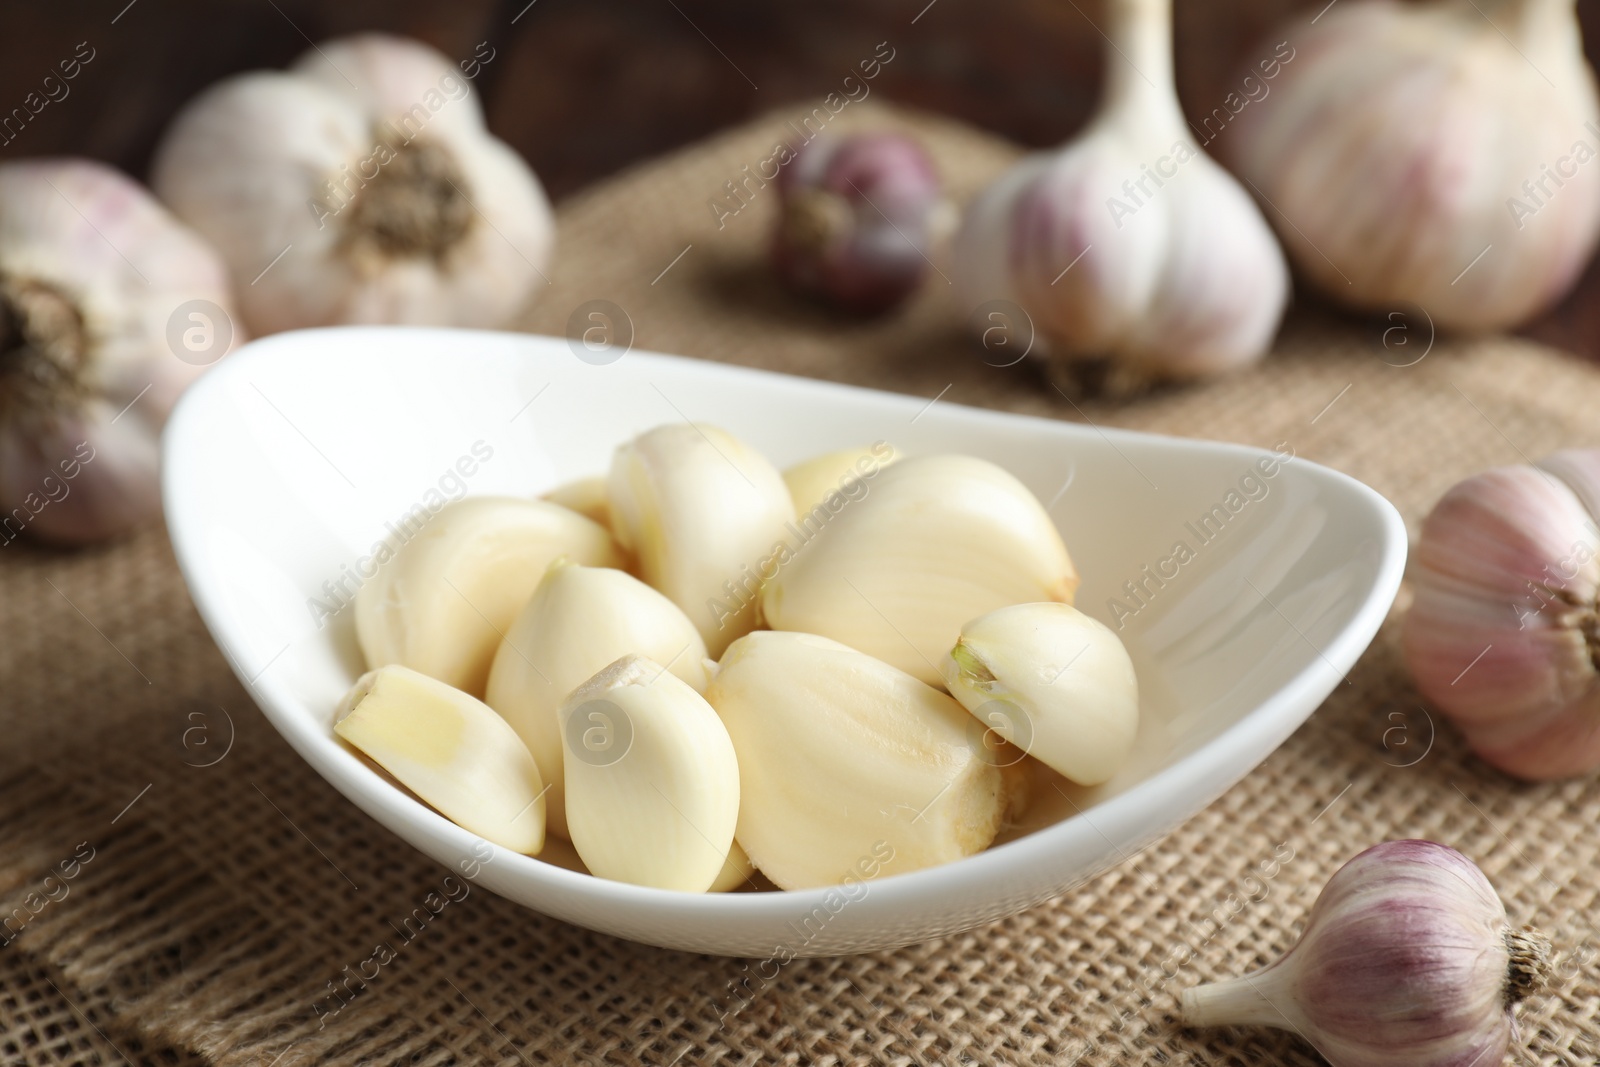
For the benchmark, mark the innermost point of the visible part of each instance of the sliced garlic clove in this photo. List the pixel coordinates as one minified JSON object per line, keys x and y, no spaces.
{"x":443,"y":602}
{"x":735,"y":873}
{"x":449,"y":749}
{"x":586,"y":496}
{"x":651,"y":777}
{"x":811,"y":483}
{"x":703,"y":511}
{"x":579,"y":620}
{"x":1051,"y":681}
{"x":849,"y":768}
{"x":937,"y":541}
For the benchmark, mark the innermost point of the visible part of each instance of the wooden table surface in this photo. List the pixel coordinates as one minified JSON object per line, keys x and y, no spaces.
{"x":582,"y":88}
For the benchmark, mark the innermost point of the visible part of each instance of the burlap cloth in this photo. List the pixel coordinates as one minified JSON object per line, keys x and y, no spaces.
{"x":218,"y":907}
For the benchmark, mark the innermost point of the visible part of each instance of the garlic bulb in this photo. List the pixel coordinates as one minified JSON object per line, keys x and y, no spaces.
{"x":1053,"y":682}
{"x":652,"y":779}
{"x":938,"y":540}
{"x":857,"y":220}
{"x":1503,"y":633}
{"x":359,"y":186}
{"x":109,"y":307}
{"x":1129,"y":242}
{"x":1407,"y":959}
{"x":442,"y":601}
{"x":579,"y":620}
{"x":705,"y":513}
{"x":849,"y":769}
{"x":836,"y":473}
{"x":449,"y":749}
{"x":1434,"y":154}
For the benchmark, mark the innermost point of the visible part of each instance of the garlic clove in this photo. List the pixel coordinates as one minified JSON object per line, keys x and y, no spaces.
{"x":449,"y":749}
{"x":651,"y":776}
{"x":579,"y":620}
{"x":1051,"y":681}
{"x":359,"y":186}
{"x":857,"y":219}
{"x":94,"y":276}
{"x":1130,"y":243}
{"x":937,"y":541}
{"x":812,"y":482}
{"x":736,"y":871}
{"x":1502,"y":633}
{"x":586,"y":496}
{"x":849,"y":768}
{"x":703,"y":511}
{"x":1434,"y":155}
{"x":444,"y":601}
{"x":1407,"y":958}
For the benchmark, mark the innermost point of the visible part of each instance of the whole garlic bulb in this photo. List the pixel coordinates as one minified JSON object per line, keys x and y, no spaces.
{"x":94,"y":274}
{"x":1407,"y":140}
{"x":858,"y":218}
{"x":1129,"y":242}
{"x":359,"y":186}
{"x":1407,"y":958}
{"x":1503,"y":634}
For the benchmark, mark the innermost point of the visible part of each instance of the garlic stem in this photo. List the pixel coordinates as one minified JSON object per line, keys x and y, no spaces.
{"x":42,"y":348}
{"x":1253,"y":999}
{"x":1529,"y":968}
{"x":1139,"y":76}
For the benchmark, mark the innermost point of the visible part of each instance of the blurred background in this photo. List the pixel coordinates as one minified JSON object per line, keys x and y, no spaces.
{"x":583,"y":88}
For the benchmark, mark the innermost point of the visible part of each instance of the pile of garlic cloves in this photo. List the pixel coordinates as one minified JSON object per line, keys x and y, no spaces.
{"x":858,"y":667}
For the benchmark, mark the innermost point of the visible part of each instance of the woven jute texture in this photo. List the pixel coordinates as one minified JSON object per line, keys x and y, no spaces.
{"x":190,"y":889}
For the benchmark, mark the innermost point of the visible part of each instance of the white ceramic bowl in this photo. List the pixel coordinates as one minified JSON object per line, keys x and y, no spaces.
{"x":284,"y":464}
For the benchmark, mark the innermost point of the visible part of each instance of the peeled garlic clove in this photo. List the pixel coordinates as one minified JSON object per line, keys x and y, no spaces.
{"x":1437,"y":155}
{"x":937,"y":541}
{"x":109,"y":308}
{"x":1407,"y":958}
{"x":586,"y":496}
{"x":1053,"y":682}
{"x":652,"y":779}
{"x":443,"y":603}
{"x":814,"y":481}
{"x":858,"y":217}
{"x":1502,"y":634}
{"x":736,"y":871}
{"x":579,"y":620}
{"x":849,"y":768}
{"x":361,"y":185}
{"x":449,"y":749}
{"x":703,"y":512}
{"x":1129,"y":243}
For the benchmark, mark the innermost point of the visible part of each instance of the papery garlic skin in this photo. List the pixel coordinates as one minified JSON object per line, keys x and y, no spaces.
{"x":937,"y":541}
{"x":579,"y":620}
{"x":1502,"y":634}
{"x":858,"y":218}
{"x":443,"y":603}
{"x":1424,"y":154}
{"x":1407,"y":960}
{"x":702,"y":510}
{"x":849,"y":768}
{"x":1052,"y":681}
{"x":92,"y":270}
{"x":810,"y":483}
{"x":379,"y":187}
{"x":652,"y":779}
{"x":1129,"y":242}
{"x":449,"y":749}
